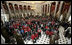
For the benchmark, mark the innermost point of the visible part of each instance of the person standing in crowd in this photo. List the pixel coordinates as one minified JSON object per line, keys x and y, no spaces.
{"x":52,"y":39}
{"x":46,"y":27}
{"x":50,"y":33}
{"x":22,"y":32}
{"x":36,"y":35}
{"x":47,"y":33}
{"x":32,"y":29}
{"x":36,"y":27}
{"x":52,"y":23}
{"x":26,"y":33}
{"x":29,"y":31}
{"x":33,"y":38}
{"x":39,"y":32}
{"x":68,"y":32}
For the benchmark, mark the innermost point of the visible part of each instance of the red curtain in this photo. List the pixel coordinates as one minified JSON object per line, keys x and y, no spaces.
{"x":48,"y":8}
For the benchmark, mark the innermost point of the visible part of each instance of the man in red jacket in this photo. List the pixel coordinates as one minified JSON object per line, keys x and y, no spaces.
{"x":47,"y":33}
{"x":36,"y":35}
{"x":33,"y":38}
{"x":46,"y":27}
{"x":50,"y":33}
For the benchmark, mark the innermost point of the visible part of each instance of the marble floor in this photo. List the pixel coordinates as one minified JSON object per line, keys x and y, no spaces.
{"x":44,"y":40}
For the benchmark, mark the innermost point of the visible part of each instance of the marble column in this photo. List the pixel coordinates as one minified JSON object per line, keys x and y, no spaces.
{"x":14,"y":10}
{"x":41,"y":9}
{"x":9,"y":10}
{"x":27,"y":9}
{"x":49,"y":8}
{"x":60,"y":7}
{"x":23,"y":9}
{"x":19,"y":11}
{"x":68,"y":14}
{"x":55,"y":8}
{"x":2,"y":8}
{"x":3,"y":12}
{"x":44,"y":9}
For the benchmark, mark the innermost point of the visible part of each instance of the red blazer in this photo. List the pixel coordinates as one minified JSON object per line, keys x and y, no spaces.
{"x":17,"y":24}
{"x":50,"y":33}
{"x":29,"y":29}
{"x":32,"y":37}
{"x":47,"y":32}
{"x":36,"y":35}
{"x":25,"y":30}
{"x":46,"y":27}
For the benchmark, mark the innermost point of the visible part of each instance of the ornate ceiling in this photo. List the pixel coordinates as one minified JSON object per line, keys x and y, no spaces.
{"x":33,"y":2}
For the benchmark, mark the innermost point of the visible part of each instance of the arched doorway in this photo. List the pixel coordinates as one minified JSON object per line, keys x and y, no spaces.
{"x":16,"y":10}
{"x":11,"y":10}
{"x":21,"y":10}
{"x":65,"y":9}
{"x":57,"y":11}
{"x":52,"y":8}
{"x":4,"y":12}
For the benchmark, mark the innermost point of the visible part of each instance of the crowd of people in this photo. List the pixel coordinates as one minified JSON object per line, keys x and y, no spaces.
{"x":32,"y":28}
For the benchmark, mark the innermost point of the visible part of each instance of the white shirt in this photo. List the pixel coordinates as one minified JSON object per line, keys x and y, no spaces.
{"x":69,"y":41}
